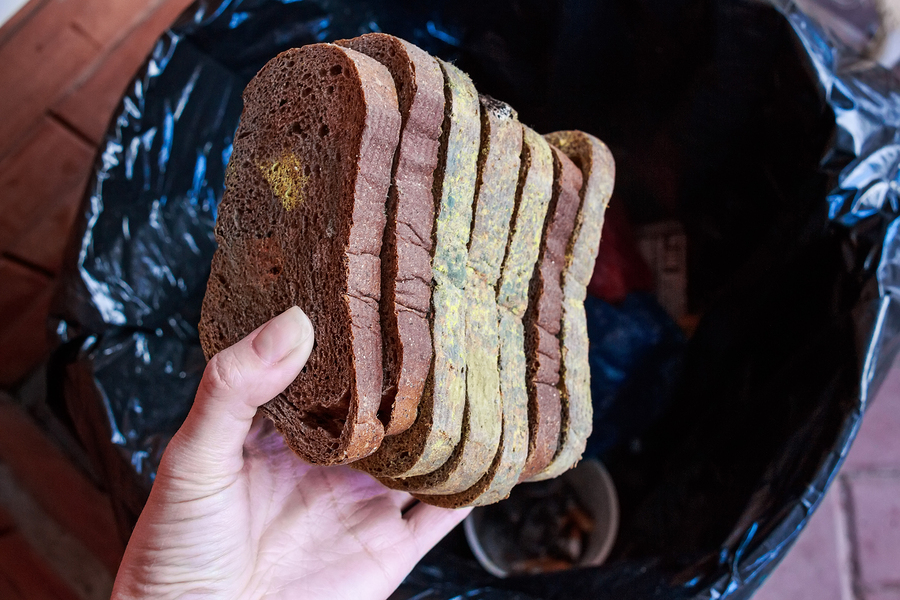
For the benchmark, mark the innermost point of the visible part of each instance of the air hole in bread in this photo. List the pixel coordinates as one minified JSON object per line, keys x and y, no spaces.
{"x":387,"y":403}
{"x":323,"y":130}
{"x":336,"y":70}
{"x":329,"y":90}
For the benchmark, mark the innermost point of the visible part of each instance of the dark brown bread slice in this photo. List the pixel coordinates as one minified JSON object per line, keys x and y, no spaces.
{"x":430,"y":441}
{"x":597,"y":166}
{"x":533,"y":193}
{"x":543,"y":317}
{"x":301,"y":223}
{"x":498,"y":170}
{"x":407,"y":245}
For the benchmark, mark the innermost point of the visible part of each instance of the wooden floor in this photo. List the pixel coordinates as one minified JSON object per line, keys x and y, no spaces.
{"x":58,"y":536}
{"x":63,"y":67}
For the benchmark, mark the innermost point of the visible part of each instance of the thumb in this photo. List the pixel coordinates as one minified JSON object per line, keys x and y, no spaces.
{"x":235,"y":383}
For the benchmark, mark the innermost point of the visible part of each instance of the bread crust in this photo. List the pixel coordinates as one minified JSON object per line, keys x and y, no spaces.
{"x":406,"y":249}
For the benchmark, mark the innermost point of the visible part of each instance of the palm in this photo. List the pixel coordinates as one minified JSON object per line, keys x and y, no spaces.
{"x":235,"y":514}
{"x":310,"y":524}
{"x":284,"y":529}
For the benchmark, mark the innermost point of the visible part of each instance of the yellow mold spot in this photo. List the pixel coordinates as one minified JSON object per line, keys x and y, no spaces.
{"x":285,"y":177}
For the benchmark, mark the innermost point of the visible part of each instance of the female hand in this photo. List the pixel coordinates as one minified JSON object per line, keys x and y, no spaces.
{"x":235,"y":514}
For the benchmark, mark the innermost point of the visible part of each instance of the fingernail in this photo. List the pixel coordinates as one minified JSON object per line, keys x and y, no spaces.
{"x":282,"y":335}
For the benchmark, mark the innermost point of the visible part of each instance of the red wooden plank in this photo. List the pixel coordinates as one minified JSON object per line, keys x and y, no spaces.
{"x":21,"y":287}
{"x":24,"y":342}
{"x":52,"y":163}
{"x":24,"y":575}
{"x":8,"y":591}
{"x":108,"y":21}
{"x":21,"y":17}
{"x":89,"y":104}
{"x":36,"y":63}
{"x":44,"y":243}
{"x":51,"y":50}
{"x":61,"y":490}
{"x":7,"y":523}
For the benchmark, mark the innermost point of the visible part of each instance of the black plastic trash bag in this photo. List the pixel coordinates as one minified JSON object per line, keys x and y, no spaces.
{"x":776,"y":151}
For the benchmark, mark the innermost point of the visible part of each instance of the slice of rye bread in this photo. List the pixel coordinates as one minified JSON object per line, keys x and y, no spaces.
{"x":406,"y":248}
{"x":598,"y":168}
{"x":301,"y":223}
{"x":533,"y":193}
{"x":544,"y":315}
{"x":495,"y":194}
{"x":430,"y":441}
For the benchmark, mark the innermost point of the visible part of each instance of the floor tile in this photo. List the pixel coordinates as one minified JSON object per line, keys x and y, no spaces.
{"x":62,"y":491}
{"x":108,"y":21}
{"x":77,"y":566}
{"x":89,"y":104}
{"x":812,"y":568}
{"x":40,"y":60}
{"x":7,"y":522}
{"x":14,"y":20}
{"x":876,"y":512}
{"x":33,"y":182}
{"x":44,"y":244}
{"x":21,"y":286}
{"x":25,"y":575}
{"x":878,"y":443}
{"x":53,"y":49}
{"x":25,"y":297}
{"x":8,"y":591}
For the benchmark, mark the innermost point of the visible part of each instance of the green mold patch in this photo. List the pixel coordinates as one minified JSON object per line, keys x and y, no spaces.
{"x":286,"y":179}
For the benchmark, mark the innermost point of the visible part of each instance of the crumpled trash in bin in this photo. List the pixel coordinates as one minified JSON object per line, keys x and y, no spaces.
{"x":776,"y":150}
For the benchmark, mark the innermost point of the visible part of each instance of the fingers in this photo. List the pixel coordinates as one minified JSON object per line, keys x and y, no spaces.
{"x":236,"y":382}
{"x":429,"y":524}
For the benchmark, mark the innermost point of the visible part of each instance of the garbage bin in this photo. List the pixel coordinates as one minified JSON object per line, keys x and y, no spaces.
{"x":739,"y":120}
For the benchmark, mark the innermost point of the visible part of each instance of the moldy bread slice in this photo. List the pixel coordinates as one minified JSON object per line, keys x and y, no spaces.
{"x":534,"y":190}
{"x":430,"y":441}
{"x":301,"y":223}
{"x":495,"y":192}
{"x":407,"y":244}
{"x":544,"y":315}
{"x":598,"y":168}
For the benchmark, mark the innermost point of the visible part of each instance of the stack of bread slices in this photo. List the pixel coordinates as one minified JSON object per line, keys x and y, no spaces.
{"x":442,"y":251}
